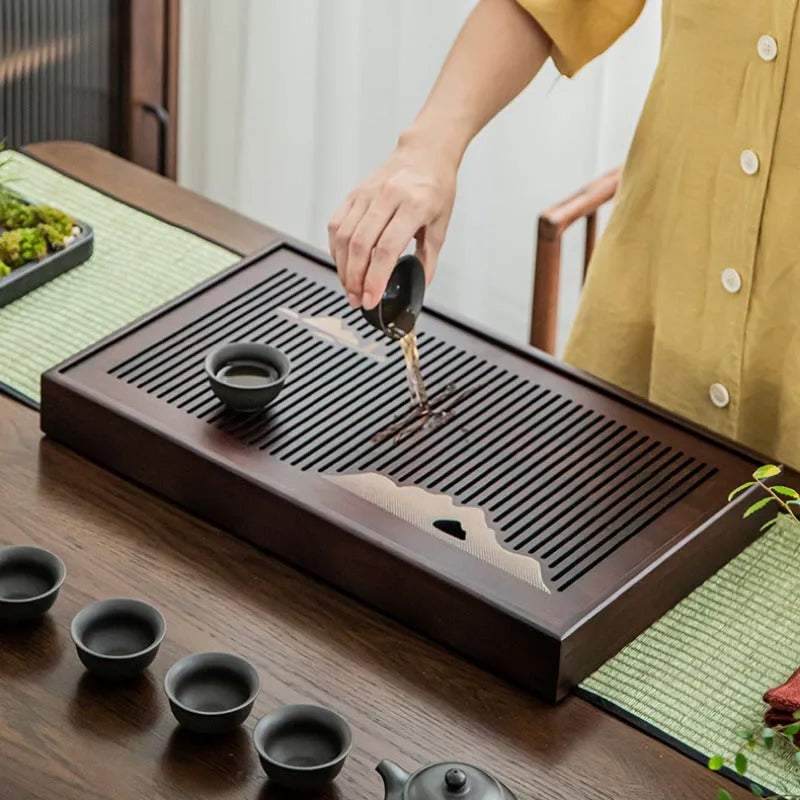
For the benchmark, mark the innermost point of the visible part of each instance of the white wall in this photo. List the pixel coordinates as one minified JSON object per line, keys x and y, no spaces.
{"x":286,"y":105}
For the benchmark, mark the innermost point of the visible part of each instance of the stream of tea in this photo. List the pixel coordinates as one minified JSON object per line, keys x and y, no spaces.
{"x":425,"y":414}
{"x":416,"y":385}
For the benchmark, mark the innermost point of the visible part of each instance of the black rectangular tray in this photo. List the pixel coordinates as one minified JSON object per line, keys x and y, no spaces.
{"x":37,"y":273}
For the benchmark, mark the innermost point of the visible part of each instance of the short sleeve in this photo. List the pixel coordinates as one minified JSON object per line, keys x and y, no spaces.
{"x":582,"y":29}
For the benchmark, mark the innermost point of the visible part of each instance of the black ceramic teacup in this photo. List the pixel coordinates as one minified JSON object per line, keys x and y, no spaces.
{"x":247,"y":376}
{"x":211,"y":693}
{"x":302,"y":747}
{"x":117,"y":639}
{"x":401,"y":303}
{"x":29,"y":582}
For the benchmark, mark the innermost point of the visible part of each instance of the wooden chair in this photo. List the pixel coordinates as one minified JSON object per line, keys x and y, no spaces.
{"x":547,"y":271}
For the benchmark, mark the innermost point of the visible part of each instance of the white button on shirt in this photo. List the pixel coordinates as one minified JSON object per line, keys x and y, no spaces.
{"x":749,"y":161}
{"x":731,"y":280}
{"x":767,"y":48}
{"x":719,"y":395}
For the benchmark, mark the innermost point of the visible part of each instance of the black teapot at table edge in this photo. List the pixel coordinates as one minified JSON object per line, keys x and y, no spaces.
{"x":443,"y":781}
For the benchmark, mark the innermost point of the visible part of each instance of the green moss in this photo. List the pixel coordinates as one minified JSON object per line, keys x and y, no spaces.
{"x":14,"y":214}
{"x":4,"y":270}
{"x":21,"y":246}
{"x":27,"y":232}
{"x":11,"y":248}
{"x":57,"y":219}
{"x":52,"y":236}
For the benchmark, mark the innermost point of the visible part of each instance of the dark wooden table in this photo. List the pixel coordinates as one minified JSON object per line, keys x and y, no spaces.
{"x":64,"y":737}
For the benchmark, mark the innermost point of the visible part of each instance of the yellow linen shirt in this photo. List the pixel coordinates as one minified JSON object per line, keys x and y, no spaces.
{"x":693,"y":296}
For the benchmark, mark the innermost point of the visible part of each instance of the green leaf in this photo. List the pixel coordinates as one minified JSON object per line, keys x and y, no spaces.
{"x":740,"y":489}
{"x":791,"y":730}
{"x":743,"y":734}
{"x":756,"y":790}
{"x":797,"y":756}
{"x":757,"y":506}
{"x":768,"y":524}
{"x":740,"y":763}
{"x":716,"y":763}
{"x":768,"y":735}
{"x":786,"y":491}
{"x":723,"y":794}
{"x":767,"y":471}
{"x":796,"y":715}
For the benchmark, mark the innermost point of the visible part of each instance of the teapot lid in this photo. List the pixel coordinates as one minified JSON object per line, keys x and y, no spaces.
{"x":449,"y":781}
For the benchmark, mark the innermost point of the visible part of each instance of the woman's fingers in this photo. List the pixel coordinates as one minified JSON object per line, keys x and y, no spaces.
{"x":411,"y":195}
{"x":408,"y":219}
{"x":364,"y":239}
{"x":343,"y":235}
{"x":428,"y":246}
{"x":335,"y":223}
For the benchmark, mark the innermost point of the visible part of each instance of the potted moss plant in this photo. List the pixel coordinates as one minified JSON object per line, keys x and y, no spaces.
{"x":37,"y":242}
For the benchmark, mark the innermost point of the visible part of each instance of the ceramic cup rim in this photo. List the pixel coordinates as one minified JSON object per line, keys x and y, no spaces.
{"x":301,"y":707}
{"x":60,"y":567}
{"x":284,"y":369}
{"x":198,"y":712}
{"x":131,"y":602}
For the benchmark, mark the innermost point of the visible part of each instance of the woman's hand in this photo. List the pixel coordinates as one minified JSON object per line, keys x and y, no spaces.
{"x":497,"y":52}
{"x":410,"y":197}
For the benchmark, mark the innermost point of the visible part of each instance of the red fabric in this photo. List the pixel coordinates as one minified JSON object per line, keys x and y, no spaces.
{"x":785,"y":697}
{"x":783,"y":701}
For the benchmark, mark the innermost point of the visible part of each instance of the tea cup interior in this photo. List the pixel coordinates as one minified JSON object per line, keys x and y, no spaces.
{"x":212,"y":683}
{"x":118,"y":628}
{"x":303,"y":737}
{"x":247,"y":373}
{"x":27,"y":573}
{"x":247,"y":364}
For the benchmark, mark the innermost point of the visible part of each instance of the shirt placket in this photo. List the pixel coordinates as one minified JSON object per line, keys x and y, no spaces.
{"x":730,"y":278}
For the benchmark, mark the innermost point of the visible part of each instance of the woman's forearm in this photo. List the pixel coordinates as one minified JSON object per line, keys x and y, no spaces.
{"x":497,"y":53}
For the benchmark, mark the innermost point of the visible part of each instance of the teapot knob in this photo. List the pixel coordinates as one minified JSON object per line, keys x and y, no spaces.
{"x":455,"y":780}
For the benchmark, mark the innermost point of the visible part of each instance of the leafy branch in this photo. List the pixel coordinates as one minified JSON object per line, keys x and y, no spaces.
{"x":774,"y":494}
{"x":787,"y":499}
{"x":765,"y":736}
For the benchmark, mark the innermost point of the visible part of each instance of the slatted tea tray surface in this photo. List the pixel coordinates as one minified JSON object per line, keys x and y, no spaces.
{"x":542,"y":498}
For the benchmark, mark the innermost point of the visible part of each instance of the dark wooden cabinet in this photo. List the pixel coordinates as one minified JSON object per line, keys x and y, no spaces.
{"x":99,"y":71}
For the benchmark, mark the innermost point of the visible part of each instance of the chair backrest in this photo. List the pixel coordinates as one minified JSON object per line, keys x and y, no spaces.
{"x":547,"y":269}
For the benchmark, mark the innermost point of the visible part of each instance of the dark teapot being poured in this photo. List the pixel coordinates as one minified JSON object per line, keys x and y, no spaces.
{"x":446,"y":781}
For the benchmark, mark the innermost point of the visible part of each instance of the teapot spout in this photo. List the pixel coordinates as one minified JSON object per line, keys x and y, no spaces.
{"x":394,"y":779}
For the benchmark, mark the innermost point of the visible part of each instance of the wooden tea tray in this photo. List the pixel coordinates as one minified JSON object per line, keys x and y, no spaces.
{"x":547,"y":523}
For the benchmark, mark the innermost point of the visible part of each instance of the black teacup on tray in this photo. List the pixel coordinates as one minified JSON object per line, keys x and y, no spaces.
{"x":247,"y":376}
{"x":211,"y":693}
{"x":302,"y":747}
{"x":29,"y":582}
{"x":116,"y":639}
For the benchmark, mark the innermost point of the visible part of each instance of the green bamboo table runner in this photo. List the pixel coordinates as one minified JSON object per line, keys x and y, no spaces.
{"x":139,"y":263}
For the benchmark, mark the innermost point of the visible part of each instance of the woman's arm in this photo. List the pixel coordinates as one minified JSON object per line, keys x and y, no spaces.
{"x":496,"y":54}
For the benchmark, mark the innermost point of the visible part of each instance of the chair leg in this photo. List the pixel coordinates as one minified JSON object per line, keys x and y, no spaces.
{"x":544,"y":316}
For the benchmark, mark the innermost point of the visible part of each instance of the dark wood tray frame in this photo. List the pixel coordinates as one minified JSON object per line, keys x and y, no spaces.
{"x":548,"y":653}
